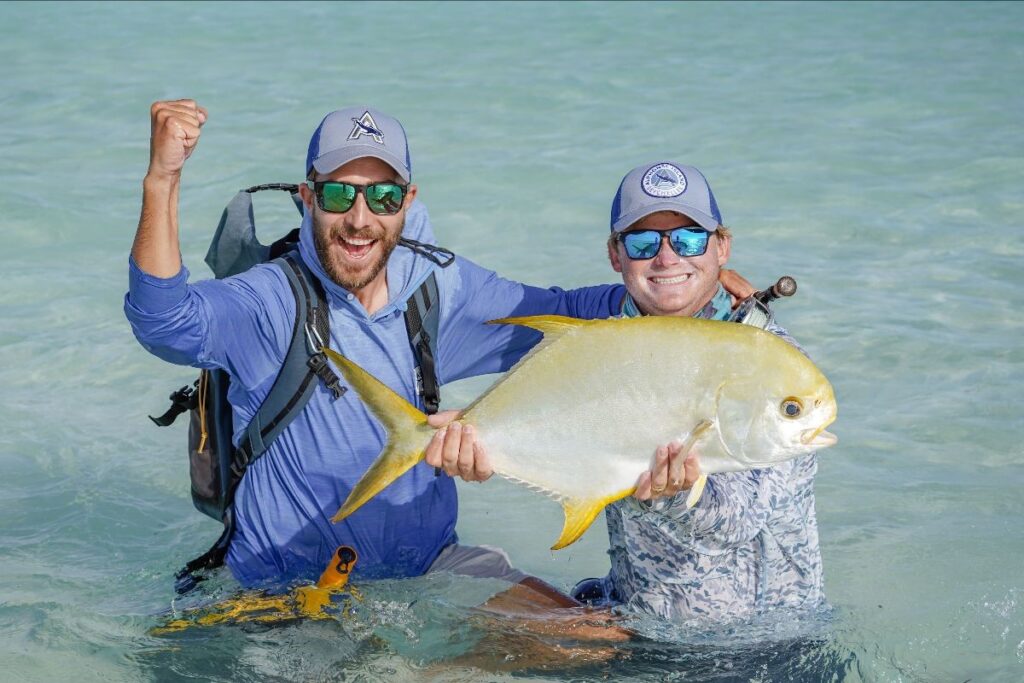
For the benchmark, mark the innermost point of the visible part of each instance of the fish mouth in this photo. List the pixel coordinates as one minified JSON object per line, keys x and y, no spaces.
{"x":819,"y":438}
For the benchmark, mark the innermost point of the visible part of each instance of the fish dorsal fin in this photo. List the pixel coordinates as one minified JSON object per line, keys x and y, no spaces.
{"x":552,"y":326}
{"x":580,"y":514}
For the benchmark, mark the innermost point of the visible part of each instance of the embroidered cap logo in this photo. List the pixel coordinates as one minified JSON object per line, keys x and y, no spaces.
{"x":365,"y":125}
{"x":664,"y":180}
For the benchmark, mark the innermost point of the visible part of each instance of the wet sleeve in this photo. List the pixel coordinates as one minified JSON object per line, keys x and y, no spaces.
{"x":241,"y":324}
{"x":733,"y":509}
{"x":472,"y":296}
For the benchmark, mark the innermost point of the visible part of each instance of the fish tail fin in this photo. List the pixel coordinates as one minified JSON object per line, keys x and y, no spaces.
{"x":408,"y":434}
{"x":580,"y":514}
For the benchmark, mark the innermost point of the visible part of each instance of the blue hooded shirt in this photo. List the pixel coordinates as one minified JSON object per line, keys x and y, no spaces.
{"x":284,"y":503}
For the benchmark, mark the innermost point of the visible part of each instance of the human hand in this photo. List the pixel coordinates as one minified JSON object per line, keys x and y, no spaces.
{"x":175,"y":127}
{"x":736,"y":285}
{"x":672,"y":472}
{"x":454,"y":449}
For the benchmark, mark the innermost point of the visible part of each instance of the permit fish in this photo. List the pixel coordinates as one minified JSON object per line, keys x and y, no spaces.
{"x":579,"y":417}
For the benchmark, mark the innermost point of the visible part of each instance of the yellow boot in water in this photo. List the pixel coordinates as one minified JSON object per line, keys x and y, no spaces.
{"x":305,"y":602}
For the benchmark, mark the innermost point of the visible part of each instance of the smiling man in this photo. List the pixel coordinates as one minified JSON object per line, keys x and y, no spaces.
{"x":360,"y":211}
{"x":750,"y":544}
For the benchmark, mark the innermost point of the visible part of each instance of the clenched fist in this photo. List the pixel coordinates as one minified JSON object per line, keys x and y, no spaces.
{"x":175,"y":134}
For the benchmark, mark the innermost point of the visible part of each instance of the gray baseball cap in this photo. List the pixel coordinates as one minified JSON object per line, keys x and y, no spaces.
{"x":357,"y":132}
{"x":664,"y":186}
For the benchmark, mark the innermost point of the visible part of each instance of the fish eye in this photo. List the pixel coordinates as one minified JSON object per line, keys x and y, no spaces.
{"x":792,"y":407}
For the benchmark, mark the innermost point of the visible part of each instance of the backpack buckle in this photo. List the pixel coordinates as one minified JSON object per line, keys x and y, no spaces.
{"x":318,"y":364}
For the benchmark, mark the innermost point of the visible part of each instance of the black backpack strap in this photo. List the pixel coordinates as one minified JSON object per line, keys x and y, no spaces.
{"x":304,"y":363}
{"x":422,"y":316}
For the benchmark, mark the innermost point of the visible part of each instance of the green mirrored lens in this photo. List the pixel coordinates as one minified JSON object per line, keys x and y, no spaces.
{"x":384,"y":198}
{"x":337,"y":197}
{"x":689,"y":242}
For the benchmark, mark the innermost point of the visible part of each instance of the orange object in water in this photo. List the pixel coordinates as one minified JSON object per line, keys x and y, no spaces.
{"x":312,"y":600}
{"x":305,"y":602}
{"x":338,"y":569}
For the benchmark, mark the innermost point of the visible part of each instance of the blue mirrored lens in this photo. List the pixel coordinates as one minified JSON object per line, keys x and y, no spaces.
{"x":642,"y":245}
{"x":686,"y":242}
{"x":645,"y":244}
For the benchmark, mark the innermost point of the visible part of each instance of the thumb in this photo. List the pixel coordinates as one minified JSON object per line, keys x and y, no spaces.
{"x":442,"y":418}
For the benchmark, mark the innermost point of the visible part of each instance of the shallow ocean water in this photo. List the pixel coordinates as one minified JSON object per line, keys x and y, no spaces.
{"x":873,"y":151}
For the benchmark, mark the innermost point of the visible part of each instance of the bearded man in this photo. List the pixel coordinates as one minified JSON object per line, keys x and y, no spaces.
{"x":358,"y":201}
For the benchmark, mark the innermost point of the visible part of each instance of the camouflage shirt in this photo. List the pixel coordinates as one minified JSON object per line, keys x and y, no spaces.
{"x":749,"y":545}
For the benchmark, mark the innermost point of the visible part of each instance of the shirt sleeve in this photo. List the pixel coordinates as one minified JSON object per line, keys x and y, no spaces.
{"x":731,"y":511}
{"x":241,"y":324}
{"x":473,"y":296}
{"x":736,"y":506}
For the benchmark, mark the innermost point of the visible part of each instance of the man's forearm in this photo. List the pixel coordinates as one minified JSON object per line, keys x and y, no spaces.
{"x":175,"y":134}
{"x":156,"y":249}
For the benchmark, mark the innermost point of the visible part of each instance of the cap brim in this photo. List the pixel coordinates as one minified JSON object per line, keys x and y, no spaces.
{"x":326,"y":163}
{"x":703,"y":220}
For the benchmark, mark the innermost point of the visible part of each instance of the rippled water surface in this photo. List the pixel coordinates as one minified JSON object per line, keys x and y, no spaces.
{"x":873,"y":151}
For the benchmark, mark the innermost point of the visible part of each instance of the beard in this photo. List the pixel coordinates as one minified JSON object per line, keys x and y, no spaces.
{"x":352,"y":277}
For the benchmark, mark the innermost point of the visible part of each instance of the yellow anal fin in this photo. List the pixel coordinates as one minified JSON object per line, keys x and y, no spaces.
{"x":408,"y":434}
{"x":580,"y":514}
{"x":551,"y":325}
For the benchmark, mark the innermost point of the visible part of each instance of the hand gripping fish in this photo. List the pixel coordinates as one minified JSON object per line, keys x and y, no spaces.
{"x":579,"y":417}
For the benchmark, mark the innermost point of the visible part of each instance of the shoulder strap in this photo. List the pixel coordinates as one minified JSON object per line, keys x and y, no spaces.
{"x":292,"y":389}
{"x":422,"y":316}
{"x":303,"y":364}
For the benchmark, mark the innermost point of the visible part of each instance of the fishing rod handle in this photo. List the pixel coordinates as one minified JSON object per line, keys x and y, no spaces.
{"x":786,"y":286}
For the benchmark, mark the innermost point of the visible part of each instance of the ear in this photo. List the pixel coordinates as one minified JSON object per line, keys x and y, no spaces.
{"x":613,"y":255}
{"x":307,"y":197}
{"x":723,"y":245}
{"x":410,"y":195}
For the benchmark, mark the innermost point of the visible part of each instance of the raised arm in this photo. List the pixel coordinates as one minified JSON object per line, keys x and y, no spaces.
{"x":175,"y":128}
{"x":240,"y":324}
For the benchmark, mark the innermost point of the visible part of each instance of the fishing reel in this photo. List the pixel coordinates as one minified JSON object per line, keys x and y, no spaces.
{"x":754,"y":309}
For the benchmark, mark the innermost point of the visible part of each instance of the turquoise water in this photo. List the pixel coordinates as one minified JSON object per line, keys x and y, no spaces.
{"x":873,"y":151}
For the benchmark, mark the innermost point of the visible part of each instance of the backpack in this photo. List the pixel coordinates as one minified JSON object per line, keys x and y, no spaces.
{"x":216,"y":466}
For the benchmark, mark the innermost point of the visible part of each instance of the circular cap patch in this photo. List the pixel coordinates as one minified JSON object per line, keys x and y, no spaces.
{"x":664,"y":180}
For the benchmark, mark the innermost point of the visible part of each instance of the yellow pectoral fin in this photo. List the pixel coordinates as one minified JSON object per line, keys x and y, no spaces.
{"x":551,"y":325}
{"x":580,"y":514}
{"x":695,"y":491}
{"x":698,"y":486}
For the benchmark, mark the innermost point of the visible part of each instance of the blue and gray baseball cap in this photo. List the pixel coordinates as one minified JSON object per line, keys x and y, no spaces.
{"x":357,"y":132}
{"x":665,"y":186}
